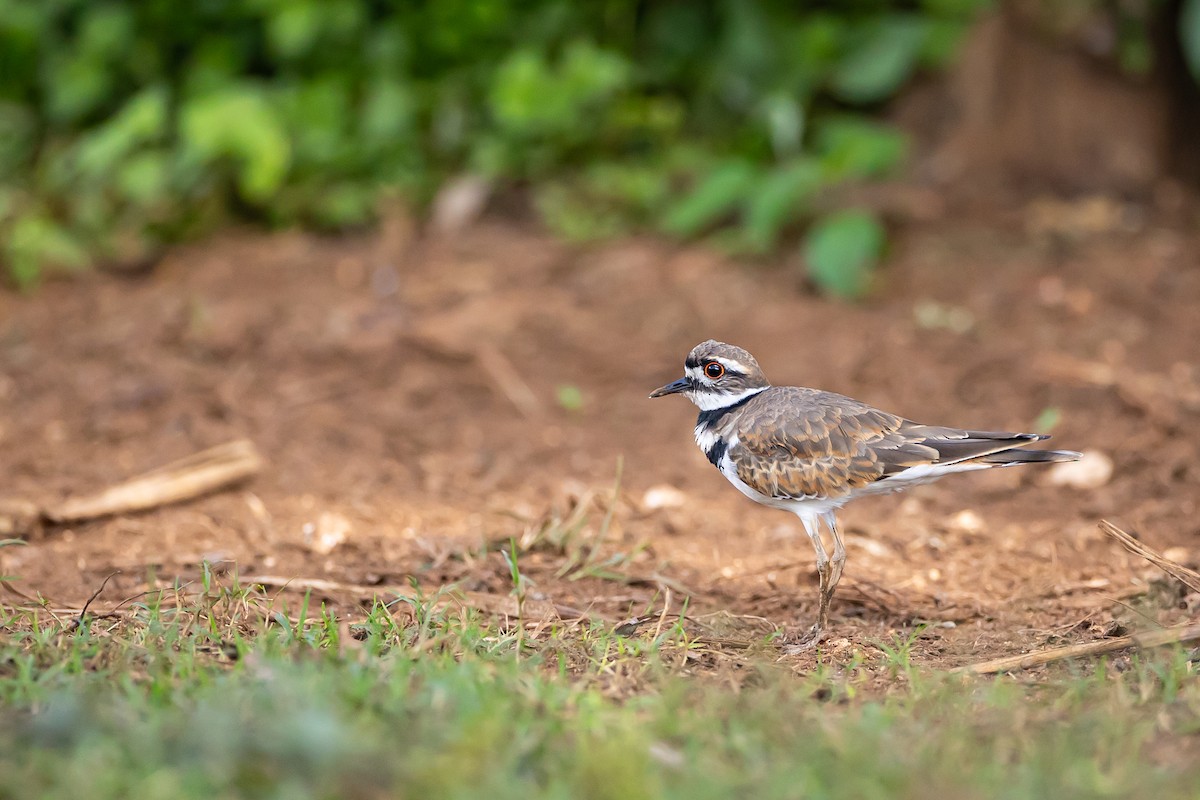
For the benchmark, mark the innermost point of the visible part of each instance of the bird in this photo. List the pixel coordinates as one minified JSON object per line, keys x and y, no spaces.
{"x":810,"y":451}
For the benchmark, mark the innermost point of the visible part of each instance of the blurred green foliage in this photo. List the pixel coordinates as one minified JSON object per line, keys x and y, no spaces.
{"x":842,"y":250}
{"x":1189,"y":35}
{"x":128,"y":123}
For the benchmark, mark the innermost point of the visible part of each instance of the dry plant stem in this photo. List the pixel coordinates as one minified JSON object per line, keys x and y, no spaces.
{"x":83,"y":611}
{"x":663,"y":616}
{"x":508,"y":380}
{"x":499,"y":605}
{"x":185,"y":479}
{"x":1185,"y":633}
{"x":1188,"y":577}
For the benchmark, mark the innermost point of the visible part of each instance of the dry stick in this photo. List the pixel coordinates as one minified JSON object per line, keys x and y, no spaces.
{"x":317,"y":585}
{"x":508,"y":379}
{"x":1185,"y":633}
{"x":663,"y":616}
{"x":500,"y":605}
{"x":1188,"y":577}
{"x":185,"y":479}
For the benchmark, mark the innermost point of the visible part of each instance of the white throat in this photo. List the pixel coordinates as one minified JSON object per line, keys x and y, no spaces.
{"x":707,"y":401}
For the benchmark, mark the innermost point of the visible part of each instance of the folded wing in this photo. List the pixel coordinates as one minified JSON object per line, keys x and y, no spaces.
{"x":804,"y":443}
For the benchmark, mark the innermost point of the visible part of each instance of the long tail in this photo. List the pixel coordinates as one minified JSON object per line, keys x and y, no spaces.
{"x":1016,"y":455}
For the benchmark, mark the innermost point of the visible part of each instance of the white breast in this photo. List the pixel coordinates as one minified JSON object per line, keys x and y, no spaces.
{"x":805,"y":507}
{"x":706,"y":437}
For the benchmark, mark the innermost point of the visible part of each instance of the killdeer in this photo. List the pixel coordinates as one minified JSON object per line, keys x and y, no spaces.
{"x":811,"y":452}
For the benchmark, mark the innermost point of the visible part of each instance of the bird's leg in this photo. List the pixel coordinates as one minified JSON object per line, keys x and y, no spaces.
{"x":838,"y":561}
{"x":824,"y":570}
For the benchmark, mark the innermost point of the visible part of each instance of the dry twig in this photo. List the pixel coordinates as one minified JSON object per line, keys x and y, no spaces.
{"x":78,"y":622}
{"x":498,"y":605}
{"x":184,"y":479}
{"x":1184,"y":633}
{"x":1188,"y":577}
{"x":507,"y":379}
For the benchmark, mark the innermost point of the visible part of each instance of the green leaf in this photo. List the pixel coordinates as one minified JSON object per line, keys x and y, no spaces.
{"x":76,"y":84}
{"x":107,"y":31}
{"x":142,"y":120}
{"x":343,"y":206}
{"x":718,"y":194}
{"x":318,"y":116}
{"x":519,"y":92}
{"x":853,"y":147}
{"x":884,"y":60}
{"x":36,"y":243}
{"x":530,"y":96}
{"x":784,"y":117}
{"x":778,"y":200}
{"x":943,"y":39}
{"x":1048,"y":419}
{"x":18,"y":138}
{"x":144,"y":179}
{"x":589,"y":72}
{"x":571,"y":213}
{"x":388,"y":112}
{"x":842,"y":251}
{"x":1189,"y":36}
{"x":638,"y":187}
{"x":294,"y":28}
{"x":238,"y":123}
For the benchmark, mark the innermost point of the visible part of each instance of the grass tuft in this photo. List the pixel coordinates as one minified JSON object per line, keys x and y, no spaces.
{"x":224,"y":690}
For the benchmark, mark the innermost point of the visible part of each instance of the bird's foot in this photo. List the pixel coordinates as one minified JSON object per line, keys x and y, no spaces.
{"x":802,"y":643}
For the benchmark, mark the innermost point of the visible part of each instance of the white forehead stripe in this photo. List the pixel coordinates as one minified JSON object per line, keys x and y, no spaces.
{"x":727,"y":363}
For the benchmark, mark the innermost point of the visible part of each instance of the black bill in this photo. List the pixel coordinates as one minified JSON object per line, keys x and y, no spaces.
{"x":681,"y":385}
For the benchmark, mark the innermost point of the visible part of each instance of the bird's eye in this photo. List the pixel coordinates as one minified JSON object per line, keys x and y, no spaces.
{"x":714,"y":370}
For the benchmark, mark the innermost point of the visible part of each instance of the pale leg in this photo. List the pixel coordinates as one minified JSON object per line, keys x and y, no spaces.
{"x":824,"y":569}
{"x":838,"y":561}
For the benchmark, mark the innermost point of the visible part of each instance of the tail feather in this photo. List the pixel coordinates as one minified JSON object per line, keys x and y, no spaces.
{"x":1005,"y":458}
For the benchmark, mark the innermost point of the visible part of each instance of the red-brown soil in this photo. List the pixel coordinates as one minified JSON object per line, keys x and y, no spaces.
{"x":410,"y":385}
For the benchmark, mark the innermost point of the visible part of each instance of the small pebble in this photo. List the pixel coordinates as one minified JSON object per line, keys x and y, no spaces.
{"x":663,"y":496}
{"x":1091,"y":471}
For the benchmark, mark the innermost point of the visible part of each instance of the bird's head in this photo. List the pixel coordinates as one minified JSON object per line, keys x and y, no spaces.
{"x":716,"y":375}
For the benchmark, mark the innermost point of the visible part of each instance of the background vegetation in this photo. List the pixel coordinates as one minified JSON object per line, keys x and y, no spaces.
{"x":128,"y":123}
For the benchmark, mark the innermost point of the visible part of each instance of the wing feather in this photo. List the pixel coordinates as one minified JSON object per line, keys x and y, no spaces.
{"x":801,"y":443}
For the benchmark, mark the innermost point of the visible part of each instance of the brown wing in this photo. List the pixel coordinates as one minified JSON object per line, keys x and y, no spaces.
{"x":799,"y":443}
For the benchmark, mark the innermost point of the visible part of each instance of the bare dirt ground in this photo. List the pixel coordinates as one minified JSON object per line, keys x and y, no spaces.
{"x":429,"y":398}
